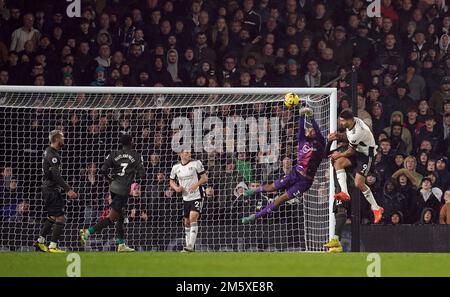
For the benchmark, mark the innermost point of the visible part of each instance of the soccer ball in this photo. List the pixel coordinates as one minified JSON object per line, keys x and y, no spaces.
{"x":290,"y":100}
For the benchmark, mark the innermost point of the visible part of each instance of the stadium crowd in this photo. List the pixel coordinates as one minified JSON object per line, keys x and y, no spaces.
{"x":402,"y":58}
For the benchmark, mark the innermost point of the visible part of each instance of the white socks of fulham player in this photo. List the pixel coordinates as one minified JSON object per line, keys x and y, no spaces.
{"x":193,"y":237}
{"x":342,"y":180}
{"x":369,"y":197}
{"x":187,"y":234}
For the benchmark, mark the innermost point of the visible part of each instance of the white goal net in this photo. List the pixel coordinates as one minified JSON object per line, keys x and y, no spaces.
{"x":244,"y":137}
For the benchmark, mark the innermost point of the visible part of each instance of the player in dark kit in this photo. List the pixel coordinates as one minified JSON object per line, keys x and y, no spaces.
{"x":53,"y":193}
{"x":311,"y":146}
{"x":125,"y":164}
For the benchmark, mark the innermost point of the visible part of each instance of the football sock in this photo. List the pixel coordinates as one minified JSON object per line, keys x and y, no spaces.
{"x":187,"y":233}
{"x":57,"y":231}
{"x":102,"y":224}
{"x":46,"y":228}
{"x":120,"y":228}
{"x":193,"y":237}
{"x":369,"y":197}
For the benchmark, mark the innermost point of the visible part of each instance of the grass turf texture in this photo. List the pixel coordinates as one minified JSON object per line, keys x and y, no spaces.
{"x":224,"y":264}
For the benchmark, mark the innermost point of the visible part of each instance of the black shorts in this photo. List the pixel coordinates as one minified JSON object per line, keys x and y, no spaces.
{"x":194,"y":205}
{"x":119,"y":202}
{"x":362,"y":164}
{"x":54,"y":202}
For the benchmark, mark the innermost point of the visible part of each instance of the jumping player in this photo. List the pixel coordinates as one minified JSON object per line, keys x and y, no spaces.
{"x":360,"y":153}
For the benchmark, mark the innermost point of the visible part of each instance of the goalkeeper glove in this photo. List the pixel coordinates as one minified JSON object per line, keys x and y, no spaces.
{"x":306,"y":112}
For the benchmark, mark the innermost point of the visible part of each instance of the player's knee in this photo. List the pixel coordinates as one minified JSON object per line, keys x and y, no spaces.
{"x":339,"y":163}
{"x":283,"y":198}
{"x":193,"y":219}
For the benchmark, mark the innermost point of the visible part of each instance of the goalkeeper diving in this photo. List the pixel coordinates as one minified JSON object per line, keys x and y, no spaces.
{"x":311,"y":146}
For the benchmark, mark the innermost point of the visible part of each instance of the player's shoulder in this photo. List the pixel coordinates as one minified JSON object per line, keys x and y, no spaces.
{"x":51,"y":155}
{"x":50,"y":152}
{"x":196,"y":162}
{"x":134,"y":152}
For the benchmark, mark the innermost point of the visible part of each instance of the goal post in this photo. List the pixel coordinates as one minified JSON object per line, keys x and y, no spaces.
{"x":243,"y":136}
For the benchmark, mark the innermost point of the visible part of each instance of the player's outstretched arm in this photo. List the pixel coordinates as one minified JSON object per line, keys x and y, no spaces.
{"x":319,"y":134}
{"x":301,"y":128}
{"x":341,"y":137}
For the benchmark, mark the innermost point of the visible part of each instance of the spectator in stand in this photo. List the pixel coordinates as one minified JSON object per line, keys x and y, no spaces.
{"x":342,"y":48}
{"x":396,"y":218}
{"x":431,"y":133}
{"x":415,"y":82}
{"x":427,"y":199}
{"x":404,"y":134}
{"x":427,"y":217}
{"x":402,"y":101}
{"x":293,"y":77}
{"x":440,"y":96}
{"x":25,"y":33}
{"x":391,"y":200}
{"x":410,"y":171}
{"x":379,"y":119}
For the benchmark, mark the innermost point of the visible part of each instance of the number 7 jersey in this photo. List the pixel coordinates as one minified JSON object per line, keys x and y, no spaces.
{"x":125,"y":165}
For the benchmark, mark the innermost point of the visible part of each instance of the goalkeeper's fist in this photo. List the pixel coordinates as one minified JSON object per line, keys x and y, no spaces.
{"x":306,"y":112}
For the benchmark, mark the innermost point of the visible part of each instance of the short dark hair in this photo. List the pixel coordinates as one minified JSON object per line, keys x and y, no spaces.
{"x":126,"y":140}
{"x":346,"y":114}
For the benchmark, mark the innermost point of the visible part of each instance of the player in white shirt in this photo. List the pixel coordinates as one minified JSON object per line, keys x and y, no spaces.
{"x":187,"y":177}
{"x":360,"y":154}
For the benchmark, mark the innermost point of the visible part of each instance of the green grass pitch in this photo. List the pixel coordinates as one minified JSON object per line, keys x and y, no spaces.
{"x":224,"y":264}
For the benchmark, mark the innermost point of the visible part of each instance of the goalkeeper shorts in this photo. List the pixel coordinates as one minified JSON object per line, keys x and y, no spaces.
{"x":294,"y":183}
